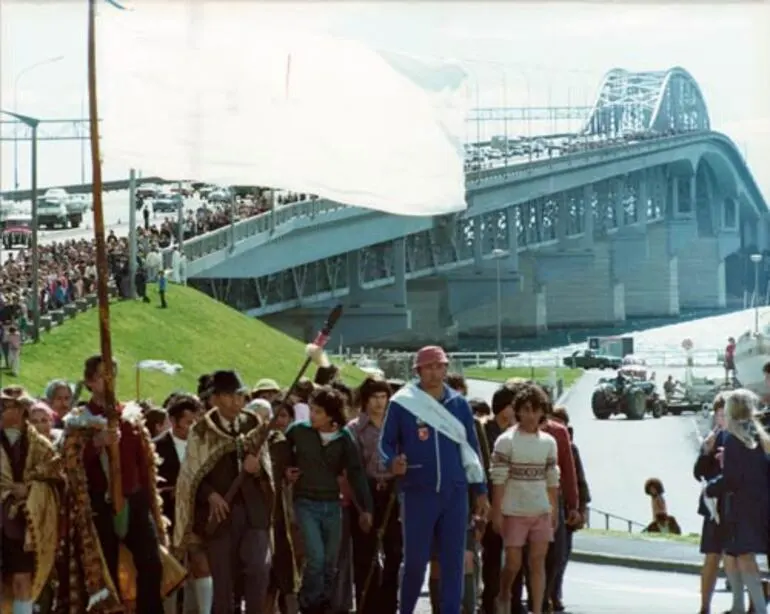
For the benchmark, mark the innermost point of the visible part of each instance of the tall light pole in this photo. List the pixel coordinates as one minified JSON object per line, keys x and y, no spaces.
{"x":32,"y":123}
{"x":756,"y":259}
{"x":23,"y":72}
{"x":498,"y":255}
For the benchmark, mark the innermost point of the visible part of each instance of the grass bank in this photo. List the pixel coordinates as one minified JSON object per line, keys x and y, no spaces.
{"x":539,"y":374}
{"x":196,"y":332}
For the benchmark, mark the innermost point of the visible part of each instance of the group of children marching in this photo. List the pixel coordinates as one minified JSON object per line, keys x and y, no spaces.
{"x":352,"y":496}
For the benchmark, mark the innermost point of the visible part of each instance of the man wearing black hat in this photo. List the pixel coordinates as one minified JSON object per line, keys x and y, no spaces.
{"x":171,"y":447}
{"x":235,"y":534}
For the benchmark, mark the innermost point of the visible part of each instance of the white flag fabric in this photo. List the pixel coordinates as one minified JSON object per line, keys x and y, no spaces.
{"x":159,"y":365}
{"x":236,"y":102}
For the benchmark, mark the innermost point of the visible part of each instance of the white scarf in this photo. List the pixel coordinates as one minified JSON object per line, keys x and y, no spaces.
{"x":427,"y":409}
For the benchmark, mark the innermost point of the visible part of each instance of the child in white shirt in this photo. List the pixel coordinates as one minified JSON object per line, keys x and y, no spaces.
{"x":525,"y":478}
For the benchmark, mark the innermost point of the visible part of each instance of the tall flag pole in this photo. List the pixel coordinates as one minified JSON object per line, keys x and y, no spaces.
{"x":116,"y":484}
{"x":288,"y":75}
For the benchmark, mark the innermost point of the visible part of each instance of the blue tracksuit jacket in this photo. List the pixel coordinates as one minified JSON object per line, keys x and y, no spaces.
{"x":434,"y":499}
{"x":434,"y":460}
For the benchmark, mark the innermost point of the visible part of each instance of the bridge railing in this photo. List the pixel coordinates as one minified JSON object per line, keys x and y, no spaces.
{"x":711,"y":357}
{"x":269,"y":221}
{"x":611,"y":522}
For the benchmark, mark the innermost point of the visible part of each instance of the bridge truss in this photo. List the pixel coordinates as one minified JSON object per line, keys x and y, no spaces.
{"x":663,"y":102}
{"x":458,"y":241}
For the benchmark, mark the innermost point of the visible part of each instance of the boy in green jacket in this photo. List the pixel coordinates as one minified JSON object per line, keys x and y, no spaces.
{"x":322,"y":449}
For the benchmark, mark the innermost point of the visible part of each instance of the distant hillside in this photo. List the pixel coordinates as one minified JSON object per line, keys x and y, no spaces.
{"x":196,"y":332}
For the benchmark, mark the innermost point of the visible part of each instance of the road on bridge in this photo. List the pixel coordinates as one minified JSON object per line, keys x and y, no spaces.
{"x":619,"y":455}
{"x":116,"y":215}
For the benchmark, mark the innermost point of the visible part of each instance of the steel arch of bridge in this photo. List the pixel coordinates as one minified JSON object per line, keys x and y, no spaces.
{"x":662,"y":102}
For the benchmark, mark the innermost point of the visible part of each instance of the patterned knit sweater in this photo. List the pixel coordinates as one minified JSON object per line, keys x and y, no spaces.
{"x":526,"y":464}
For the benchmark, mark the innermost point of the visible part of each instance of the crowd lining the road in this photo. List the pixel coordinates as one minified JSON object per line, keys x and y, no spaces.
{"x":67,"y":269}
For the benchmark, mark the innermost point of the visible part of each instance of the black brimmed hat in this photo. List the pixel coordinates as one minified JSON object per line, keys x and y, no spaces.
{"x":226,"y":382}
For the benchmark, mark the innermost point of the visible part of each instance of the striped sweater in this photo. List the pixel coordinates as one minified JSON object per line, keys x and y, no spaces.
{"x":526,"y":464}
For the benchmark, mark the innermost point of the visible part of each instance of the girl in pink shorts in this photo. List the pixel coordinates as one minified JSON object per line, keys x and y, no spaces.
{"x":525,"y":478}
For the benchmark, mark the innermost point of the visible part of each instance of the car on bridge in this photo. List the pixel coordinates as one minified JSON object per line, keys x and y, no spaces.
{"x":220,"y":195}
{"x":589,"y":359}
{"x":144,"y":192}
{"x":16,"y":230}
{"x":168,"y":202}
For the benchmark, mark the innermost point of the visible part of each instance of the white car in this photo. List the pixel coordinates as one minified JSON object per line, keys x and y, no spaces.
{"x":370,"y":366}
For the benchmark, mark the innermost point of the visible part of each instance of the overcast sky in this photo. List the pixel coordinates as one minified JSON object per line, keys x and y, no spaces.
{"x":548,"y":53}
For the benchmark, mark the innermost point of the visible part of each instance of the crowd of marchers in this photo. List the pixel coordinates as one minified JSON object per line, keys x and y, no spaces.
{"x":238,"y":497}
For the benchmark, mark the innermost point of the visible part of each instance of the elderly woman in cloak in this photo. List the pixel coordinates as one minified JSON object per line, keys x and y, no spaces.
{"x":30,"y":476}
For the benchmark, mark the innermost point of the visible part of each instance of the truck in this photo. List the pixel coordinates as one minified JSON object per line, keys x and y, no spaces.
{"x":52,"y":201}
{"x":51,"y":214}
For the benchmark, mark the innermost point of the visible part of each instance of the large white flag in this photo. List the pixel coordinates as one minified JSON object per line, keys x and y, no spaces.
{"x":234,"y":101}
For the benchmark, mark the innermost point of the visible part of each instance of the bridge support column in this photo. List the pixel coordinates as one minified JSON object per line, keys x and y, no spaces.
{"x":643,"y":263}
{"x":580,"y":290}
{"x":702,"y":281}
{"x":472,"y":296}
{"x":589,"y":208}
{"x":370,"y":314}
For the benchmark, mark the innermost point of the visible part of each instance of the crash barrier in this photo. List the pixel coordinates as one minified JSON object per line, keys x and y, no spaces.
{"x":611,"y":522}
{"x":555,"y":358}
{"x":548,"y":359}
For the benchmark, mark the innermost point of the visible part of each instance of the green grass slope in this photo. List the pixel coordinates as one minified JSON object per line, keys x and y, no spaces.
{"x":196,"y":332}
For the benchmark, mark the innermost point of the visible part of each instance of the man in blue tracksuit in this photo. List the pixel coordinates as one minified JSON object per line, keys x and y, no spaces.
{"x":435,"y":481}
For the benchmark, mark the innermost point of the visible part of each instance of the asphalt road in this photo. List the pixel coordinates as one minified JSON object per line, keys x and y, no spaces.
{"x":589,"y":589}
{"x":592,"y":589}
{"x":116,"y":215}
{"x":619,"y":455}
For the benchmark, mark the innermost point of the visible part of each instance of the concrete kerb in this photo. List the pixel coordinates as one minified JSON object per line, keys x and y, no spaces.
{"x":562,"y":400}
{"x":631,"y":562}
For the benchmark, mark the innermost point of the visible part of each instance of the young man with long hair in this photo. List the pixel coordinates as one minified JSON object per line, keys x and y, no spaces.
{"x":525,"y":496}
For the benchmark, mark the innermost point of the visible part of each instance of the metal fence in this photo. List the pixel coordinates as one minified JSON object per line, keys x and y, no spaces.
{"x":544,"y":359}
{"x":599,"y":519}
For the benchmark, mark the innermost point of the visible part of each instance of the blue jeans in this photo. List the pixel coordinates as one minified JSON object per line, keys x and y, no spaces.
{"x":321,"y":525}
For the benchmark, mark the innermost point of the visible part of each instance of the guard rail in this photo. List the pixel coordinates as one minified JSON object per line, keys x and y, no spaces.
{"x":551,"y":359}
{"x":607,"y":520}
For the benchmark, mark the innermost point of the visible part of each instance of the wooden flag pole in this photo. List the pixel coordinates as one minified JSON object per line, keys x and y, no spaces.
{"x":102,"y":269}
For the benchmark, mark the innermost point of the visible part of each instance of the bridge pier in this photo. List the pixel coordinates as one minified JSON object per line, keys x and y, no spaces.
{"x":643,"y":263}
{"x":580,"y":290}
{"x":472,"y":299}
{"x":702,"y":278}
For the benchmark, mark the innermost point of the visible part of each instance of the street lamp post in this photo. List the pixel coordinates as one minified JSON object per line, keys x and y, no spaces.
{"x":23,"y":72}
{"x":756,"y":259}
{"x":32,"y":123}
{"x":499,"y":255}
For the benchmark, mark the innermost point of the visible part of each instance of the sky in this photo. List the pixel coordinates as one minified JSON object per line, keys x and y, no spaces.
{"x":515,"y":54}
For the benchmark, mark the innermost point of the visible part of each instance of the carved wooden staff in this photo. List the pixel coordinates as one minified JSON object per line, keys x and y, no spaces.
{"x":261,"y":436}
{"x":102,"y":278}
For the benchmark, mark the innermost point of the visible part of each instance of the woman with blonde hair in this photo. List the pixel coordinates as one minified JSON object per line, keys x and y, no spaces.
{"x":742,"y":488}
